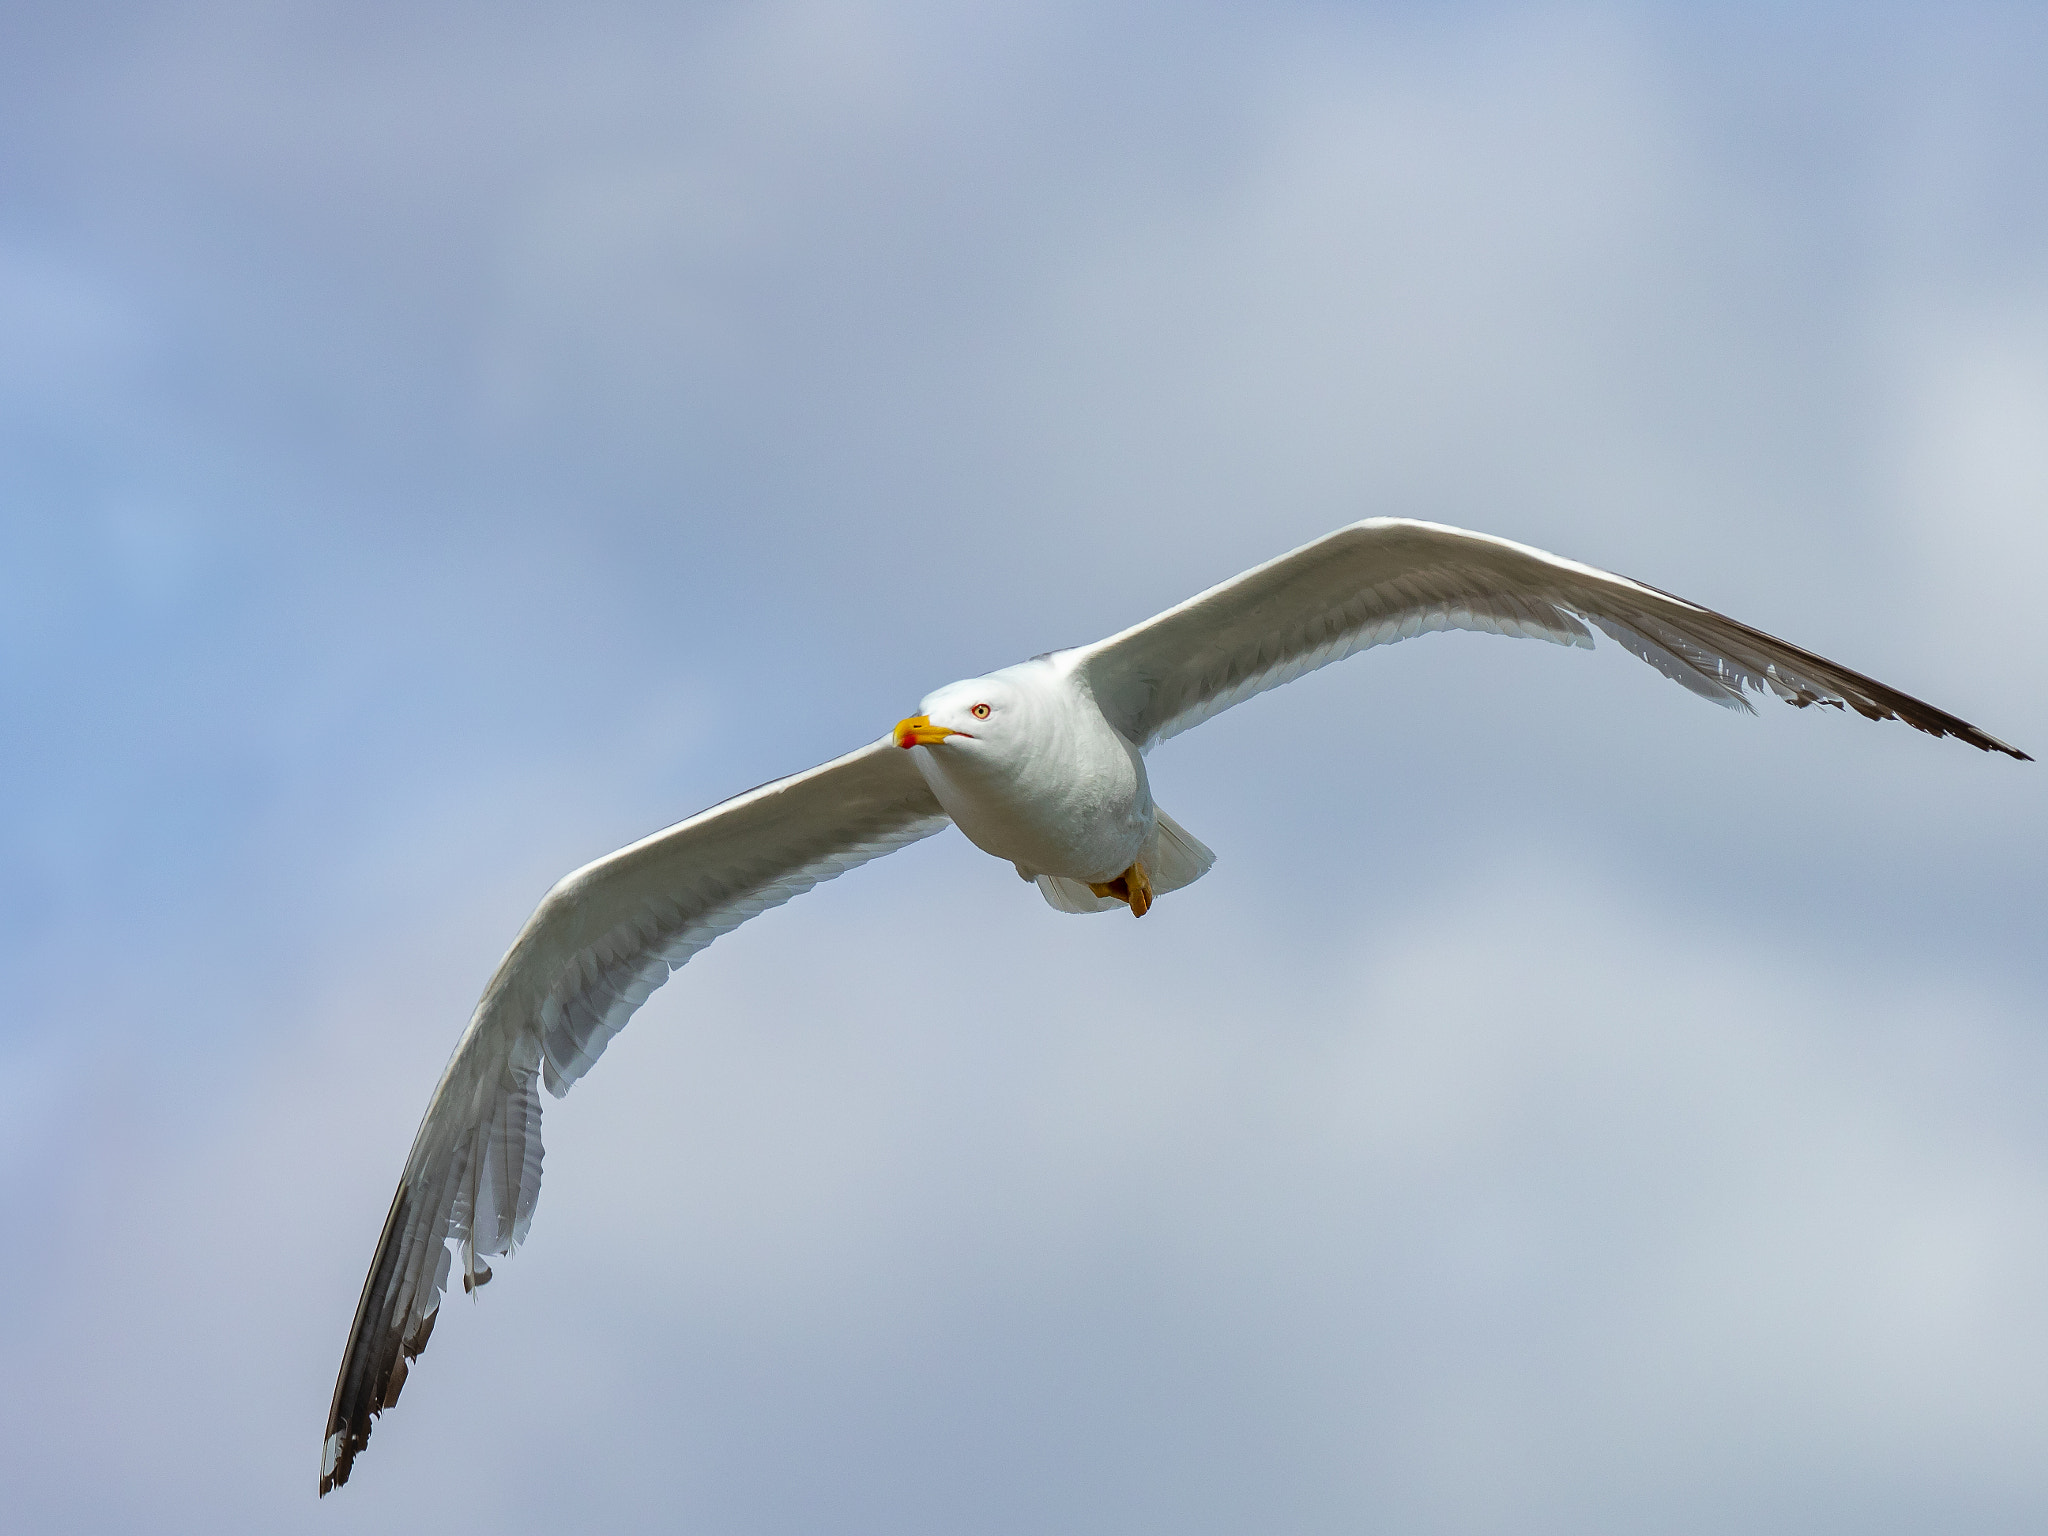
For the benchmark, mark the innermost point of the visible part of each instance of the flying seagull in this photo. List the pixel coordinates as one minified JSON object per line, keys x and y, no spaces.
{"x":1042,"y":764}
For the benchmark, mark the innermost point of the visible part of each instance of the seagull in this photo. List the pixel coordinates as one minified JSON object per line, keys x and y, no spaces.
{"x":1041,"y":764}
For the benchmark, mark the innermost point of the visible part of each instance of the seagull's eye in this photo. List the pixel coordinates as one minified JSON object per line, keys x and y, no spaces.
{"x":980,"y":711}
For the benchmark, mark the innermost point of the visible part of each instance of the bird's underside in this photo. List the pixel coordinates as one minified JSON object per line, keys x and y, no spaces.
{"x":607,"y":935}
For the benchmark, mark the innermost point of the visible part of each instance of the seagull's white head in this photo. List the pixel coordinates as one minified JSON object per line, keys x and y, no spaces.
{"x":991,"y":715}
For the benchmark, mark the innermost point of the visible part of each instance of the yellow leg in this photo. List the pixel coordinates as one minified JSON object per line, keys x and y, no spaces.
{"x":1133,"y":888}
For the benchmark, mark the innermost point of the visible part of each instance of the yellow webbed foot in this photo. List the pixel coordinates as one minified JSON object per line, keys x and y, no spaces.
{"x":1133,"y":888}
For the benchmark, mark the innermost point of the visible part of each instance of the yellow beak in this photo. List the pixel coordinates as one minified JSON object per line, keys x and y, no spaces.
{"x":918,"y":731}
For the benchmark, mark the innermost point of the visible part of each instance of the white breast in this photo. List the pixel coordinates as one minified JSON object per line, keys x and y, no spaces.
{"x":1059,"y":791}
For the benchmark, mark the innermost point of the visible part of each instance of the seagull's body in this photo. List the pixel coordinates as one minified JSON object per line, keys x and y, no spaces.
{"x":1041,"y":778}
{"x":1025,"y":763}
{"x":1041,"y":764}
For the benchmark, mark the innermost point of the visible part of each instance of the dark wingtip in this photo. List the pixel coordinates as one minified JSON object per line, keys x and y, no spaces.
{"x":373,"y":1367}
{"x":1983,"y":741}
{"x":1889,"y":704}
{"x":1885,"y":703}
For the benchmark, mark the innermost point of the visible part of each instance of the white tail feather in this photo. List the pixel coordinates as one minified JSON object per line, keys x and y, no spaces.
{"x":1064,"y":895}
{"x":1173,"y":858}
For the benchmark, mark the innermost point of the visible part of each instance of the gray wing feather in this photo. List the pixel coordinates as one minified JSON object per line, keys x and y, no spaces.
{"x":594,"y":950}
{"x":1389,"y":579}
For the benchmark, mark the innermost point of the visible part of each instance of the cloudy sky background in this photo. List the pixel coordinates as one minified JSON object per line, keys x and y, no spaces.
{"x":439,"y":443}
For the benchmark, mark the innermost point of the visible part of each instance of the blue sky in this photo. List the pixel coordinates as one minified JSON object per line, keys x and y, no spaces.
{"x":441,"y":443}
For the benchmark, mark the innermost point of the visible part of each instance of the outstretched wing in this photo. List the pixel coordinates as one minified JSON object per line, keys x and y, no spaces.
{"x":1389,"y":578}
{"x":596,"y":947}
